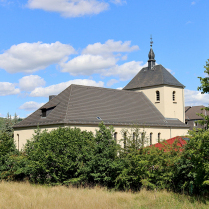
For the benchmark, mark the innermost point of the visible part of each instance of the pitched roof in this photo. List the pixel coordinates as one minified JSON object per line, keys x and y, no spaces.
{"x":158,"y":75}
{"x":181,"y":141}
{"x":191,"y":113}
{"x":83,"y":104}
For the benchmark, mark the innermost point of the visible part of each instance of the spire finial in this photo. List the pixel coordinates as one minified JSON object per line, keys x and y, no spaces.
{"x":151,"y":42}
{"x":151,"y":55}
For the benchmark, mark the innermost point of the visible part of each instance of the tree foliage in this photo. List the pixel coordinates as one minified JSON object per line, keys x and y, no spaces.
{"x":193,"y":166}
{"x":204,"y":88}
{"x":71,"y":156}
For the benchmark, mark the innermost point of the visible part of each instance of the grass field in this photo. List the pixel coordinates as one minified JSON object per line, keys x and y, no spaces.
{"x":24,"y":195}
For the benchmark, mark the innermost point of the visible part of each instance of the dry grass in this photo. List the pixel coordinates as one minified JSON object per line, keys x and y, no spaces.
{"x":24,"y":195}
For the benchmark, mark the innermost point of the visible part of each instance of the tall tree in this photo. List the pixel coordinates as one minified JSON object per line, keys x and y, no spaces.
{"x":204,"y":88}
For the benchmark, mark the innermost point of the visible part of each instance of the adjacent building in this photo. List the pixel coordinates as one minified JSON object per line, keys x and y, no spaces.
{"x":192,"y":117}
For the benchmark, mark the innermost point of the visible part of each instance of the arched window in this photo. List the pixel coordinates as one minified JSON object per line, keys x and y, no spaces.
{"x":18,"y":141}
{"x":134,"y":137}
{"x":150,"y":138}
{"x":142,"y":138}
{"x":174,"y":96}
{"x":115,"y":136}
{"x":157,"y":96}
{"x":158,"y":137}
{"x":125,"y":139}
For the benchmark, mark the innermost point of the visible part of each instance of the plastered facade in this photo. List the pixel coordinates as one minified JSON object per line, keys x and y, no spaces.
{"x":21,"y":135}
{"x":166,"y":105}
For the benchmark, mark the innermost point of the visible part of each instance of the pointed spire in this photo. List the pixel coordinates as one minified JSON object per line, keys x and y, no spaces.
{"x":151,"y":55}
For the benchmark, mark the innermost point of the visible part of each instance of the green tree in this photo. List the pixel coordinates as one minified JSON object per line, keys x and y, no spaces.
{"x":105,"y":163}
{"x":204,"y":88}
{"x":56,"y":157}
{"x":149,"y":167}
{"x":193,"y":167}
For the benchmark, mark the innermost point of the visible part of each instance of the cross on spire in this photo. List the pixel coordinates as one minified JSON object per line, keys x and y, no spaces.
{"x":151,"y":42}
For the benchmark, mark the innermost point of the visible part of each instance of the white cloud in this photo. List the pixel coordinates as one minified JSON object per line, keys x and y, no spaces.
{"x":126,"y":71}
{"x":7,"y":88}
{"x":109,"y":47}
{"x":31,"y":57}
{"x":193,"y":3}
{"x":194,"y":98}
{"x":29,"y":83}
{"x":31,"y":106}
{"x":112,"y":82}
{"x":118,"y":2}
{"x":57,"y":88}
{"x":101,"y":59}
{"x":87,"y":64}
{"x":70,"y":8}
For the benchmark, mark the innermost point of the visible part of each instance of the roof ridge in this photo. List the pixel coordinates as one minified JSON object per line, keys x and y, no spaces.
{"x":71,"y":87}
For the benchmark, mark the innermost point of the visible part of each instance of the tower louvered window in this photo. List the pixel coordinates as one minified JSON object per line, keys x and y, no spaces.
{"x":157,"y":96}
{"x":174,"y":96}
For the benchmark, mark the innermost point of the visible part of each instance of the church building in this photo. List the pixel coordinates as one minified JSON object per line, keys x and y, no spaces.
{"x":152,"y":100}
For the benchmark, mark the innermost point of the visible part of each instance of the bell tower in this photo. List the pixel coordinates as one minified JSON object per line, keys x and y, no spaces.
{"x":161,"y":87}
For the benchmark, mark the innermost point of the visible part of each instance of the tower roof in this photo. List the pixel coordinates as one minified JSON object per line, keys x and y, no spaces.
{"x":158,"y":75}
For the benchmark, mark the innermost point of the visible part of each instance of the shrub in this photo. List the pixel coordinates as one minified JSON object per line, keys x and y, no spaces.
{"x":193,"y":167}
{"x":55,"y":157}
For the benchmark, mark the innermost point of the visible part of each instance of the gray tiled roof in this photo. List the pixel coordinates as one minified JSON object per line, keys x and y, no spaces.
{"x":83,"y":104}
{"x":191,"y":112}
{"x":158,"y":75}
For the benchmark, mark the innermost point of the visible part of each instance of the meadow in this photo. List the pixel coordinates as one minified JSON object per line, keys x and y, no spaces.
{"x":24,"y":195}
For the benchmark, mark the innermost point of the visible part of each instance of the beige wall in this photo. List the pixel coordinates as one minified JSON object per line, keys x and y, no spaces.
{"x":22,"y":135}
{"x":166,"y":105}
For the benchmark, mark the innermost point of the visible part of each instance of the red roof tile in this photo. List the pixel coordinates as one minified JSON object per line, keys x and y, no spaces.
{"x":180,"y":142}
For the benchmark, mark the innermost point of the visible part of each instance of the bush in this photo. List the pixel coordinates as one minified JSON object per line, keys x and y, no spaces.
{"x":55,"y":157}
{"x":193,"y":167}
{"x":149,"y":167}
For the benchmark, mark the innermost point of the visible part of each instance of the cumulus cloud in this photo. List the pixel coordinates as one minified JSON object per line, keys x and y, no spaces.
{"x":31,"y":57}
{"x":29,"y":83}
{"x":7,"y":88}
{"x":109,"y":47}
{"x":70,"y":8}
{"x":102,"y":59}
{"x":195,"y":98}
{"x":112,"y":82}
{"x":87,"y":64}
{"x":31,"y":106}
{"x":57,"y":88}
{"x":126,"y":71}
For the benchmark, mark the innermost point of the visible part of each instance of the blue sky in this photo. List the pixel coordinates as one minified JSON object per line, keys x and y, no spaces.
{"x":46,"y":45}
